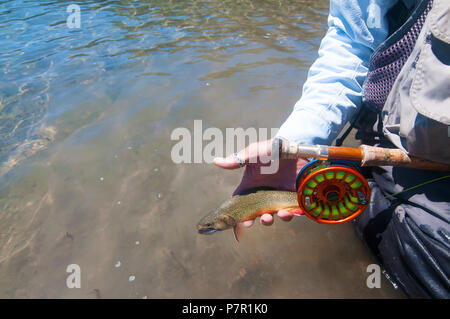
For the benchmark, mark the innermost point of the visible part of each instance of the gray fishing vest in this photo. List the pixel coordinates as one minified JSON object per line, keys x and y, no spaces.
{"x":409,"y":83}
{"x":408,"y":87}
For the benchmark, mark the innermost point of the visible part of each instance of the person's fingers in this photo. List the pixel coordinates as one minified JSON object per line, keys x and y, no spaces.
{"x":285,"y":215}
{"x":266,"y":219}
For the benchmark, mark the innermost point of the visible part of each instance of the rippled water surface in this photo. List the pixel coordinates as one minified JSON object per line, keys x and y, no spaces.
{"x":86,"y":175}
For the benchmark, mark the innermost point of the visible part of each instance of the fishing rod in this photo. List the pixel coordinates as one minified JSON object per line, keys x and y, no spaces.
{"x":331,"y":188}
{"x":365,"y":155}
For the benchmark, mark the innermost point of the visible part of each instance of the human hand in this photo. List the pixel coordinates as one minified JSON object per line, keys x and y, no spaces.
{"x":255,"y":156}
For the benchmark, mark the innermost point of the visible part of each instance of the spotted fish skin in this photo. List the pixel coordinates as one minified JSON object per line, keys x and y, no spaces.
{"x":240,"y":208}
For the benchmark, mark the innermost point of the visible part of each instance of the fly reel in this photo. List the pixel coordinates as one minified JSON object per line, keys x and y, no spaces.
{"x":332,"y":192}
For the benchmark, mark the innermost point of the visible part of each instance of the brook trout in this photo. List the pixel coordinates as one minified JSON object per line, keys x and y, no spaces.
{"x":240,"y":208}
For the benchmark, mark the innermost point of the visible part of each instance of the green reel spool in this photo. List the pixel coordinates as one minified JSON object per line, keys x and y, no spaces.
{"x":332,"y":192}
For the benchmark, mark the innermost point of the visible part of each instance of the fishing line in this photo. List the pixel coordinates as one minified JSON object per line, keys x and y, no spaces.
{"x":410,"y":188}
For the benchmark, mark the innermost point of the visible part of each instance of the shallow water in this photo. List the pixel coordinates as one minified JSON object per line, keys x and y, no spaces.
{"x":86,"y":175}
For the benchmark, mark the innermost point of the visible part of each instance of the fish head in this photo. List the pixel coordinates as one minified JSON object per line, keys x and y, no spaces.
{"x":215,"y":221}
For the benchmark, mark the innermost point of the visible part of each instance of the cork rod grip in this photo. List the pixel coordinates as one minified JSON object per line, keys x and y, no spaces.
{"x":377,"y":156}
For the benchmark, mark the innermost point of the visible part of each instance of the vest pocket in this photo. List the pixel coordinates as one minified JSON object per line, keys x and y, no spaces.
{"x":440,"y":20}
{"x":416,"y":115}
{"x":430,"y":97}
{"x":430,"y":89}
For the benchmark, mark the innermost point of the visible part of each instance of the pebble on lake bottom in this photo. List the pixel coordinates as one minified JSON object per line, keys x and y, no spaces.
{"x":131,"y":278}
{"x":117,"y":265}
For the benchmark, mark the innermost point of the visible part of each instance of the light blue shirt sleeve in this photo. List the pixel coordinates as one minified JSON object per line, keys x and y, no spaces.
{"x":333,"y":90}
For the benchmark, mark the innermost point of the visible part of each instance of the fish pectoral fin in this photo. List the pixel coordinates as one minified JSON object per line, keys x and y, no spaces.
{"x":238,"y":229}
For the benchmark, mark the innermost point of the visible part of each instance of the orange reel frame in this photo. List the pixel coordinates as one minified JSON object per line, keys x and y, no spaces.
{"x":332,"y":193}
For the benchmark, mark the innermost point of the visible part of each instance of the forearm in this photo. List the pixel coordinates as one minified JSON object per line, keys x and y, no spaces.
{"x":333,"y":90}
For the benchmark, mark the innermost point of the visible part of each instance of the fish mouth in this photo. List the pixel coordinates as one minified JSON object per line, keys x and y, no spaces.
{"x":207,"y":231}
